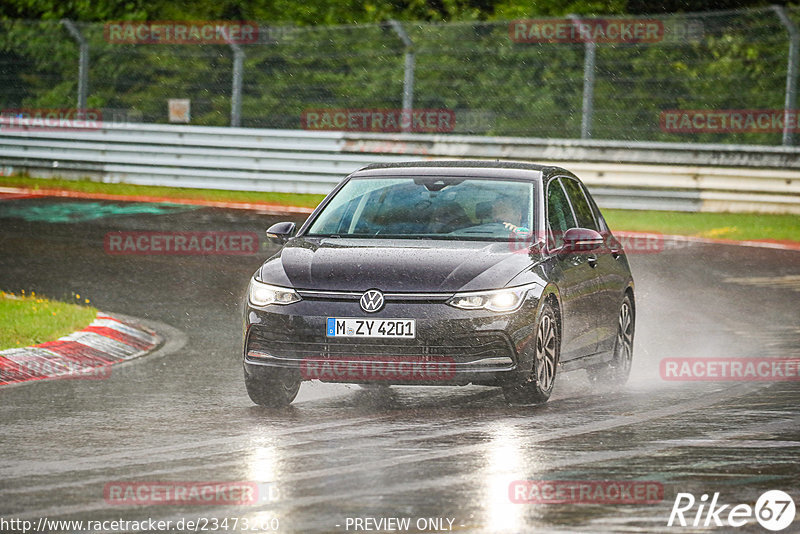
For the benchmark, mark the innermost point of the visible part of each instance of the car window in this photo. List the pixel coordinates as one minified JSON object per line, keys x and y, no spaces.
{"x":441,"y":207}
{"x":559,"y":215}
{"x":598,"y":215}
{"x":583,"y":212}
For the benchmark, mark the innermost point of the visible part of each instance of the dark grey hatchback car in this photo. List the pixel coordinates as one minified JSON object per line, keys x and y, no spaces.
{"x":442,"y":272}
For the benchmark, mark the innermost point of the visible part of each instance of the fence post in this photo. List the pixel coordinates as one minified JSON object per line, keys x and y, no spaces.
{"x":587,"y":105}
{"x":236,"y":89}
{"x":83,"y":62}
{"x":791,"y":71}
{"x":236,"y":83}
{"x":408,"y":76}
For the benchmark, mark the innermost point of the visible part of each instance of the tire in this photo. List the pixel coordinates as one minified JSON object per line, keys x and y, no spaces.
{"x":536,"y":389}
{"x":617,"y":371}
{"x":273,"y":387}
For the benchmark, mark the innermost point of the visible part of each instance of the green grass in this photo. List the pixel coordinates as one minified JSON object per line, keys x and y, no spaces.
{"x":89,"y":186}
{"x":738,"y":226}
{"x":30,"y":319}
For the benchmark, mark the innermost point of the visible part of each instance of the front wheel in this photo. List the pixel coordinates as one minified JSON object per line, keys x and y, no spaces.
{"x":618,"y":369}
{"x":273,"y":387}
{"x":539,"y":385}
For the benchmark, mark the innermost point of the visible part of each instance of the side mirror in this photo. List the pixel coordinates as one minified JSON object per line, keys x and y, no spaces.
{"x":582,"y":239}
{"x":279,"y":233}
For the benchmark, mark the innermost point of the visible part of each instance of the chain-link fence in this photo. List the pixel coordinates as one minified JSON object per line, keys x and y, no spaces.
{"x":513,"y":78}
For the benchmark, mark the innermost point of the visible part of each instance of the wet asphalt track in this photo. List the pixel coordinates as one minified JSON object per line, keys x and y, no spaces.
{"x":340,"y":451}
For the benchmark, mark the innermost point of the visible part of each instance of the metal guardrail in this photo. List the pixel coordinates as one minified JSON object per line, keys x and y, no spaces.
{"x":525,"y":148}
{"x":621,"y":175}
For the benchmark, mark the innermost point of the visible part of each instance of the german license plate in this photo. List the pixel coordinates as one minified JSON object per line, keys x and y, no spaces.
{"x":348,"y":327}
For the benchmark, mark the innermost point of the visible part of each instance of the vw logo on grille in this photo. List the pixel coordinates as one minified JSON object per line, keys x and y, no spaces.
{"x":372,"y":301}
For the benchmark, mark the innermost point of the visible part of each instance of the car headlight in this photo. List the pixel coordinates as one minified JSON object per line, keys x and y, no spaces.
{"x":261,"y":294}
{"x":500,"y":300}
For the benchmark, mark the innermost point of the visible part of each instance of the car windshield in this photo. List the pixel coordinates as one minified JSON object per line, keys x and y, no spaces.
{"x":428,"y":207}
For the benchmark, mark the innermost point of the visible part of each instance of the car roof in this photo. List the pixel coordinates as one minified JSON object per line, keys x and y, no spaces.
{"x":484,"y":169}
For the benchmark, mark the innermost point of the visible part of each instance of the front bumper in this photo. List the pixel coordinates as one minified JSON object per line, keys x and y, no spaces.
{"x":451,"y":347}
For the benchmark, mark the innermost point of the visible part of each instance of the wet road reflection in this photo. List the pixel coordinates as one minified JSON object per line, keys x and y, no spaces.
{"x":343,"y":452}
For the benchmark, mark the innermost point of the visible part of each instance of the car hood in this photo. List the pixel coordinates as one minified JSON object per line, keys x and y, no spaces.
{"x":393,"y":265}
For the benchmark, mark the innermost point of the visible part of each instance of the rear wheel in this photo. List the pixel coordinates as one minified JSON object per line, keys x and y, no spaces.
{"x":617,"y":371}
{"x":539,"y":385}
{"x":273,"y":387}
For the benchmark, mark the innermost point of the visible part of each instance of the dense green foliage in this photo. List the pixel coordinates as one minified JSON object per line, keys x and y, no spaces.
{"x":730,"y":60}
{"x":318,"y":12}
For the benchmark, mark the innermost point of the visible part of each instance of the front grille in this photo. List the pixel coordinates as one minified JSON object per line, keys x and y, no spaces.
{"x":464,"y":349}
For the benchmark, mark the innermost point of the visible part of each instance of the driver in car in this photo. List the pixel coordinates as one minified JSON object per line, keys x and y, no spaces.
{"x":508,"y":213}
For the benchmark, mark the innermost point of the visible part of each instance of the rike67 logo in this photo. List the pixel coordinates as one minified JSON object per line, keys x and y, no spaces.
{"x":774,"y":510}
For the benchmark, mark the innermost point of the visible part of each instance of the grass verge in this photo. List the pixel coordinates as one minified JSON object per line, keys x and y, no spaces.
{"x":30,"y":319}
{"x":89,"y":186}
{"x":736,"y":226}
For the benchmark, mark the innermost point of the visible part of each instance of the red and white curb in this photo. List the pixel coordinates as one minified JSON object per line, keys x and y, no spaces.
{"x":13,"y":193}
{"x":85,"y":354}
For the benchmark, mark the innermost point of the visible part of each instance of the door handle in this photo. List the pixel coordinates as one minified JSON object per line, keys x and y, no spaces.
{"x":615,"y":253}
{"x":592,"y":261}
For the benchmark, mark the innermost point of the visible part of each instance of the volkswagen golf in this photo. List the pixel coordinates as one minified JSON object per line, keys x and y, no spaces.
{"x":442,"y":273}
